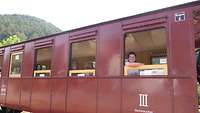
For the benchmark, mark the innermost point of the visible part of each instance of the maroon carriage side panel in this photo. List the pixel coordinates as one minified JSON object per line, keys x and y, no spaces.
{"x":109,"y":91}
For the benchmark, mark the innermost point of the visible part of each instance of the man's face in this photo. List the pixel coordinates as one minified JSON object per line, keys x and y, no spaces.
{"x":131,"y":58}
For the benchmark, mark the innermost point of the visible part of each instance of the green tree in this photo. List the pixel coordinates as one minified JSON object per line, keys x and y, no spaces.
{"x":10,"y":40}
{"x":26,"y":27}
{"x":21,"y":35}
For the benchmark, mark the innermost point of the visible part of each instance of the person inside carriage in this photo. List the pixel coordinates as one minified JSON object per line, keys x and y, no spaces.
{"x":132,"y":60}
{"x":132,"y":63}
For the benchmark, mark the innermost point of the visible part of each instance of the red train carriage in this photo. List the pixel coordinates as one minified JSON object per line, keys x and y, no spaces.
{"x":85,"y":70}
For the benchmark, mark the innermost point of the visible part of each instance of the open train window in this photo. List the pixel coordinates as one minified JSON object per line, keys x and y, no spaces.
{"x":15,"y":64}
{"x":42,"y":67}
{"x":1,"y":63}
{"x":146,"y":53}
{"x":83,"y":58}
{"x":197,"y":51}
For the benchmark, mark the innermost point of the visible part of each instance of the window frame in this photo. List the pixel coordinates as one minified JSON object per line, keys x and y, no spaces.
{"x":10,"y":64}
{"x":142,"y":29}
{"x":35,"y":62}
{"x":81,"y":39}
{"x":1,"y":54}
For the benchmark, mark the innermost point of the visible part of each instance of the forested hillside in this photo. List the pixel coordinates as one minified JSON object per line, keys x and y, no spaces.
{"x":25,"y":27}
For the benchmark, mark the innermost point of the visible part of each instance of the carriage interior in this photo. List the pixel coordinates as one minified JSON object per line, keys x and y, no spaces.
{"x":42,"y":67}
{"x":151,"y":50}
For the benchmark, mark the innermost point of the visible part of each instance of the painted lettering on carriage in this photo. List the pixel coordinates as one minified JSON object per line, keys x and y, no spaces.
{"x":143,"y":100}
{"x":179,"y":16}
{"x":143,"y":104}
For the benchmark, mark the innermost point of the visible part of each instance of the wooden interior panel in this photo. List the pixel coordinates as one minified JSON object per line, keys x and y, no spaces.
{"x":146,"y":40}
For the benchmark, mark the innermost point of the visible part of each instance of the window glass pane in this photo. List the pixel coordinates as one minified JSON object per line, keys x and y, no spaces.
{"x":43,"y":62}
{"x":146,"y":53}
{"x":83,"y":58}
{"x":15,"y":65}
{"x":197,"y":50}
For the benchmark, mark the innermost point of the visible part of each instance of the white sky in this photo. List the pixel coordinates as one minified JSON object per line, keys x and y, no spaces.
{"x":69,"y":14}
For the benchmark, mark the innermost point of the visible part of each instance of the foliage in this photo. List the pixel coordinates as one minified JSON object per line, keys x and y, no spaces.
{"x":25,"y":27}
{"x":198,"y":89}
{"x":10,"y":40}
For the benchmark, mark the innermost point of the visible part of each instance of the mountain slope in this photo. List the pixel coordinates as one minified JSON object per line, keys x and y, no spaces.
{"x":26,"y":27}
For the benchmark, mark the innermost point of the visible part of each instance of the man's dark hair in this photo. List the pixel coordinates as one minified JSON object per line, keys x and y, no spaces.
{"x":131,"y":53}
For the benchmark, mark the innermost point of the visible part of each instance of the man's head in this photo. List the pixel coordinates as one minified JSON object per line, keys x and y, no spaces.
{"x":131,"y":57}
